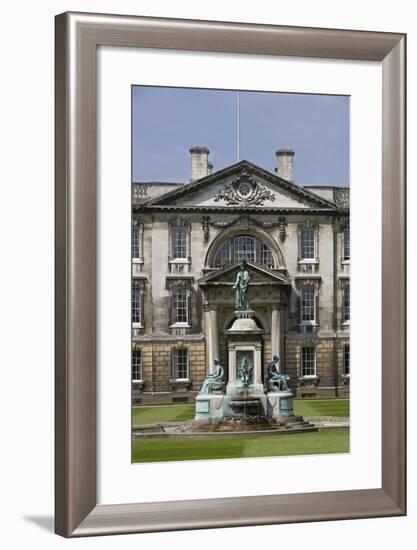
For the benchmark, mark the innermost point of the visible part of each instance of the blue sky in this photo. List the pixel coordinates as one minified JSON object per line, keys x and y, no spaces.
{"x":168,"y":121}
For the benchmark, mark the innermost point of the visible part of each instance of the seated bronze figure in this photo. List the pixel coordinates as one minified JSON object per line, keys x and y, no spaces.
{"x":214,"y":381}
{"x":276,"y":381}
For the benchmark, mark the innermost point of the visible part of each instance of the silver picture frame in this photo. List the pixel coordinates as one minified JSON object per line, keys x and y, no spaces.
{"x":77,"y":37}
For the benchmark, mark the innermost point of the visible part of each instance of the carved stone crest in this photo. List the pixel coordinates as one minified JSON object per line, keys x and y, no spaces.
{"x":245,"y":191}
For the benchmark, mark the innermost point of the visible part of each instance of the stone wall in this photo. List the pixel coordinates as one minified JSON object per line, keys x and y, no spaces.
{"x":329,"y":352}
{"x":157,"y":372}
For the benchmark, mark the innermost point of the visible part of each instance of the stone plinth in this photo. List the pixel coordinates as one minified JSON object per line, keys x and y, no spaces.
{"x":244,"y":343}
{"x":279,"y":404}
{"x":240,"y":348}
{"x":210,"y":406}
{"x":244,"y":323}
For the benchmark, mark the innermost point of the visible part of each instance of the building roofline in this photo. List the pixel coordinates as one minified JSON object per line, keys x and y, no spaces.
{"x":146,"y":207}
{"x":159,"y":183}
{"x":269,"y":176}
{"x":325,"y":186}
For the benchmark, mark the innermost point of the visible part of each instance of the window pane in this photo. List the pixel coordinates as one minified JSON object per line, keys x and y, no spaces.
{"x":346,"y":244}
{"x":136,"y":306}
{"x":346,"y":308}
{"x":266,"y":256}
{"x":136,"y":365}
{"x":245,"y":248}
{"x":307,"y":244}
{"x":308,"y":361}
{"x":179,"y":242}
{"x":346,"y":359}
{"x":136,"y":252}
{"x":222,"y":257}
{"x":307,"y":303}
{"x":180,"y":364}
{"x":179,"y":305}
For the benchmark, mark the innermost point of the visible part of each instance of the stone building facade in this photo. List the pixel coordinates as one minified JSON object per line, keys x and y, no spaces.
{"x":189,"y":240}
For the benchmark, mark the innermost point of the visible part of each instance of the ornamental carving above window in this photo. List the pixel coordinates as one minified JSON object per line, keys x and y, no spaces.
{"x":245,"y":191}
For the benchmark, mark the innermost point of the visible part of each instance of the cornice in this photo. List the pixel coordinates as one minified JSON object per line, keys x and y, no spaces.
{"x":230,"y":210}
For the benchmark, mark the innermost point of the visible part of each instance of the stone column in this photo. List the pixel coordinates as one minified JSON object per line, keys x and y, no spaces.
{"x":276,"y":331}
{"x":258,"y":365}
{"x":214,"y":338}
{"x":232,"y":364}
{"x":207,"y":333}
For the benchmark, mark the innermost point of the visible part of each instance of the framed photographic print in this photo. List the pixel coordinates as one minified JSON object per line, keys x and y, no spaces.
{"x":243,"y":318}
{"x":211,"y":367}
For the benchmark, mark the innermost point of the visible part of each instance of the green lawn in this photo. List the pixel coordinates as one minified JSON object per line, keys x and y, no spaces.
{"x":321,"y":407}
{"x":162,"y":413}
{"x":171,"y":413}
{"x":206,"y":448}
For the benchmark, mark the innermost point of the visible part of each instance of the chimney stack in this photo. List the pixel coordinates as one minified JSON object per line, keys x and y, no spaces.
{"x":285,"y":164}
{"x":200,"y":166}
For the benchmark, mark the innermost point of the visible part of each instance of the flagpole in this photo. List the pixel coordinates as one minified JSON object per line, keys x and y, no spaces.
{"x":238,"y":126}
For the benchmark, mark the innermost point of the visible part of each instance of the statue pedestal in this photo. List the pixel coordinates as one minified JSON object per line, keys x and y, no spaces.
{"x":240,"y":350}
{"x":244,"y":345}
{"x":244,"y":323}
{"x":215,"y":407}
{"x":210,"y":406}
{"x":279,"y":404}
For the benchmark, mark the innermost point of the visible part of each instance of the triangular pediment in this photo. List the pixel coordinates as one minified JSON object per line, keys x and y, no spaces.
{"x":242,"y":185}
{"x":259,"y":275}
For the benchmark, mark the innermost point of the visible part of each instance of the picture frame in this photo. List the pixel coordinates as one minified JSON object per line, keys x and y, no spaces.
{"x":77,"y":37}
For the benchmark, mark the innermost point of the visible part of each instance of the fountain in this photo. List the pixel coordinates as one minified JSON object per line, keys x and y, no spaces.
{"x":245,"y":403}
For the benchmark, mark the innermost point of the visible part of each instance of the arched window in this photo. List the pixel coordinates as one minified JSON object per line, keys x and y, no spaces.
{"x":244,"y":247}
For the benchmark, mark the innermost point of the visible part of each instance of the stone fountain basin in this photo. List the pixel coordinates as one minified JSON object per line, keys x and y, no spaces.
{"x":246,"y":405}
